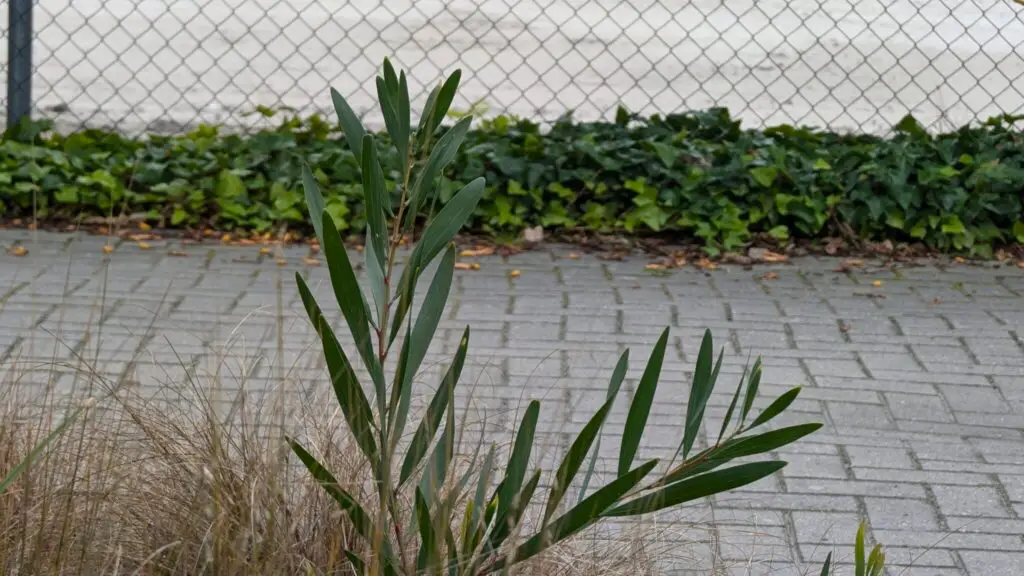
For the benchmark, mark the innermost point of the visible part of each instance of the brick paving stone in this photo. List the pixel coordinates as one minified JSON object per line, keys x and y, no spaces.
{"x":922,"y":401}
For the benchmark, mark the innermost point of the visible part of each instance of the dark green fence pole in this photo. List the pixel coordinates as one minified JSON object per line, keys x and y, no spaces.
{"x":19,"y":61}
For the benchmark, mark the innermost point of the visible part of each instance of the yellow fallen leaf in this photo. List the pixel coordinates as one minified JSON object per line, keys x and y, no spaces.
{"x":467,"y":265}
{"x":654,"y":266}
{"x":877,"y":283}
{"x":144,"y":226}
{"x":281,"y":262}
{"x":474,"y":252}
{"x":1020,"y":263}
{"x":514,"y":273}
{"x":959,"y":260}
{"x":853,"y":263}
{"x":770,"y":276}
{"x":140,"y":237}
{"x":310,"y":261}
{"x":265,"y":251}
{"x":177,"y":253}
{"x":107,"y":249}
{"x":573,"y":256}
{"x":17,"y":251}
{"x":705,"y":264}
{"x":144,"y":246}
{"x":770,"y":256}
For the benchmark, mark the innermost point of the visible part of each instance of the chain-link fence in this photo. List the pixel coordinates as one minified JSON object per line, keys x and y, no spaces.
{"x":164,"y":65}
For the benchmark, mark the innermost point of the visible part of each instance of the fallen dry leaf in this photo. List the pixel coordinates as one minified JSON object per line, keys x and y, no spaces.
{"x":514,"y":274}
{"x":140,"y":237}
{"x":474,"y":252}
{"x":177,"y":253}
{"x":936,"y":301}
{"x":265,"y":251}
{"x":853,"y":263}
{"x":208,"y":232}
{"x":310,"y":261}
{"x":144,"y":246}
{"x":705,"y":264}
{"x":225,"y":238}
{"x":281,"y":262}
{"x":144,"y":226}
{"x":246,"y":242}
{"x":844,"y":327}
{"x":958,"y":260}
{"x":1020,"y":263}
{"x":678,"y":261}
{"x":467,"y":265}
{"x":107,"y":249}
{"x":773,"y":257}
{"x":770,"y":276}
{"x":877,"y":283}
{"x":654,"y":266}
{"x":573,"y":256}
{"x":17,"y":251}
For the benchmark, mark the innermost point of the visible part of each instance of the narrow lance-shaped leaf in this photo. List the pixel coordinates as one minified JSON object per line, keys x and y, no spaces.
{"x":697,"y":487}
{"x":827,"y":566}
{"x":343,"y":379}
{"x":438,"y":234}
{"x":751,"y":394}
{"x":314,"y":202}
{"x":479,"y":501}
{"x":435,"y":412}
{"x":700,"y":391}
{"x":518,"y":460}
{"x":580,"y":516}
{"x":427,"y":560}
{"x":640,"y":408}
{"x":376,"y":194}
{"x":421,"y":335}
{"x":574,"y":459}
{"x":738,"y":448}
{"x":403,"y":106}
{"x":445,"y":97}
{"x":389,"y":109}
{"x":618,"y":375}
{"x":360,"y":519}
{"x":350,"y":125}
{"x":440,"y":157}
{"x":732,"y":407}
{"x":860,"y":566}
{"x":353,"y":305}
{"x":437,"y":469}
{"x":776,"y":407}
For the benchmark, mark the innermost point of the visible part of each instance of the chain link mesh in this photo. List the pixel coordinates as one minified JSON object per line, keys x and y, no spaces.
{"x":166,"y":65}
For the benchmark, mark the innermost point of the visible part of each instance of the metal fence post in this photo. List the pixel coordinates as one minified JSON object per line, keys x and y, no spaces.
{"x":19,"y":61}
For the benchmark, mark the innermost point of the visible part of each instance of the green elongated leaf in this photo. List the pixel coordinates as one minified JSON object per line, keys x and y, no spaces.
{"x":376,"y":194}
{"x":700,"y":391}
{"x":438,"y":234}
{"x":453,"y":550}
{"x":358,"y":565}
{"x":732,"y":408}
{"x":389,"y":109}
{"x":483,"y":484}
{"x":427,"y":561}
{"x":518,"y":460}
{"x":360,"y":519}
{"x":418,"y":341}
{"x":751,"y":394}
{"x":350,"y":125}
{"x":445,"y":97}
{"x":36,"y":450}
{"x":402,"y":104}
{"x":697,"y":487}
{"x":390,"y":78}
{"x":618,"y":375}
{"x":580,"y":516}
{"x":435,"y":474}
{"x":827,"y":566}
{"x":375,"y":274}
{"x":738,"y":448}
{"x":343,"y":379}
{"x":440,"y":157}
{"x":860,"y":567}
{"x":435,"y":412}
{"x":640,"y":408}
{"x":766,"y":442}
{"x":517,"y":507}
{"x":876,"y":561}
{"x":352,"y":303}
{"x":776,"y":407}
{"x":422,"y":135}
{"x":574,"y":459}
{"x":314,"y":202}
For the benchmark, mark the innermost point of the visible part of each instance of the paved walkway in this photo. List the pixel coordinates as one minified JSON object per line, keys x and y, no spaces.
{"x":919,"y":377}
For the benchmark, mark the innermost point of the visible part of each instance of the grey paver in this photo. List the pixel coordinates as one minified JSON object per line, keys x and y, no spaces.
{"x":923,"y":403}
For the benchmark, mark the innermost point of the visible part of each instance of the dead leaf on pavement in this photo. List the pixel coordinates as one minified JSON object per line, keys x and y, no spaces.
{"x":475,"y":252}
{"x":107,"y":249}
{"x":770,"y":276}
{"x":573,"y":256}
{"x":141,"y":237}
{"x":514,"y":273}
{"x":877,"y":283}
{"x":654,"y":266}
{"x":144,"y":246}
{"x":17,"y":250}
{"x":144,"y":226}
{"x":773,"y":257}
{"x":958,"y":260}
{"x":281,"y":262}
{"x":310,"y":261}
{"x":467,"y":265}
{"x":265,"y":251}
{"x":1020,"y":263}
{"x":705,"y":264}
{"x":177,"y":253}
